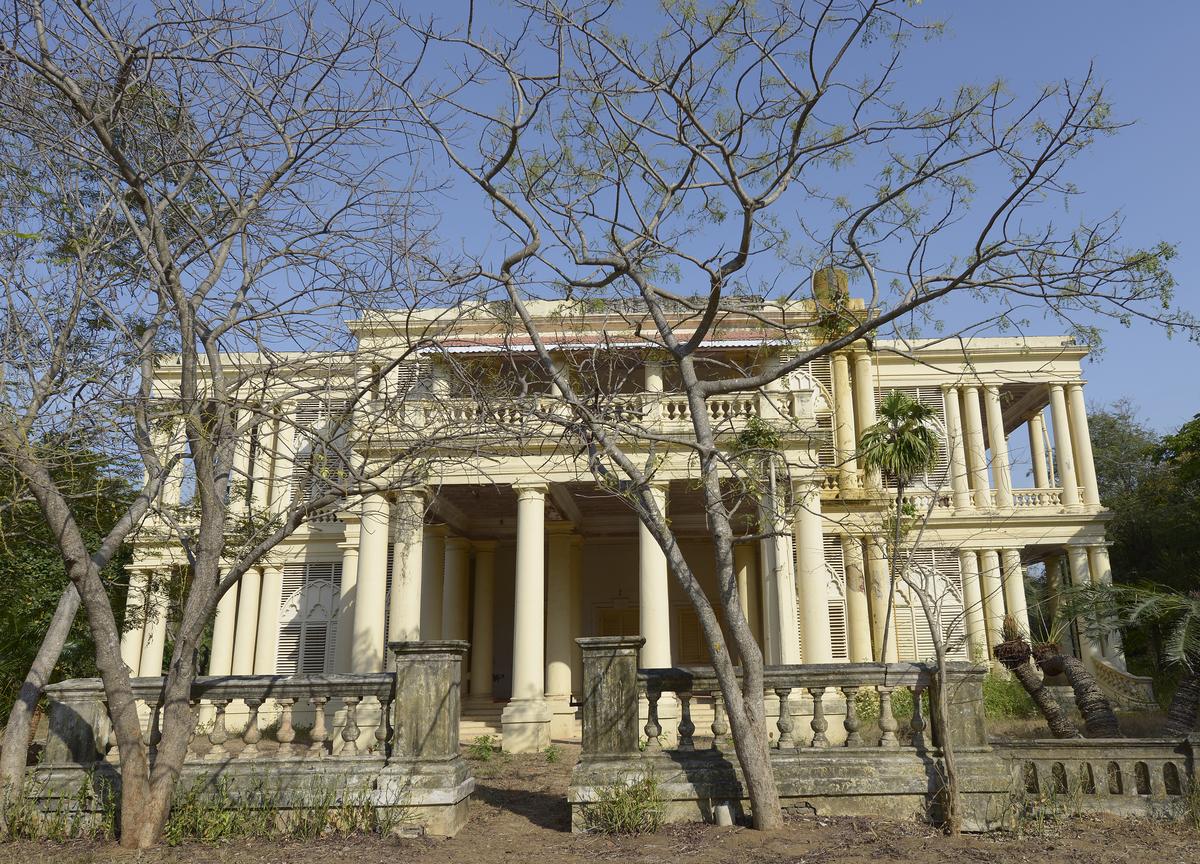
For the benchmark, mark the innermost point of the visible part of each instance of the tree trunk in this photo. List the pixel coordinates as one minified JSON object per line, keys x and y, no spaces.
{"x":15,"y":750}
{"x":1058,"y":721}
{"x":1185,"y":705}
{"x":1098,"y":717}
{"x":753,"y":749}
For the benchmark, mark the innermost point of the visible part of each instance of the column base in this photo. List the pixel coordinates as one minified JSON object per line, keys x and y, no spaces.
{"x":563,"y":718}
{"x":525,"y":725}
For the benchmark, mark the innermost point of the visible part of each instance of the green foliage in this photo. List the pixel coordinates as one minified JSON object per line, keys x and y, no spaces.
{"x":483,"y":748}
{"x":1004,"y":698}
{"x":32,"y":569}
{"x":632,"y":807}
{"x":757,"y":436}
{"x":89,"y":813}
{"x":904,"y":443}
{"x":553,"y":754}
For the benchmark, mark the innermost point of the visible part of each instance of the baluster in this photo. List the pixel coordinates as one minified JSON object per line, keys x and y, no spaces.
{"x":381,"y":731}
{"x":252,"y":734}
{"x":350,"y":731}
{"x":686,"y":727}
{"x":852,"y":724}
{"x":287,"y":731}
{"x":818,"y":723}
{"x":917,"y":724}
{"x":153,"y":730}
{"x":194,"y":709}
{"x":887,"y":720}
{"x":653,"y":729}
{"x":319,"y":733}
{"x":785,"y":725}
{"x":218,"y":735}
{"x":720,"y":724}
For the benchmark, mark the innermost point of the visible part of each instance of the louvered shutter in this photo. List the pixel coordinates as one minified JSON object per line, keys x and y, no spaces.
{"x":936,"y":477}
{"x":308,"y":618}
{"x":821,"y":371}
{"x":837,"y":597}
{"x":913,"y":640}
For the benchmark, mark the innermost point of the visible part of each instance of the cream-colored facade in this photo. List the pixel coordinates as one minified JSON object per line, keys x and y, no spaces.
{"x":514,"y":547}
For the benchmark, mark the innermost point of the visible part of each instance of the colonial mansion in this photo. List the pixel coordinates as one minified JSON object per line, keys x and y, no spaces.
{"x":510,"y":543}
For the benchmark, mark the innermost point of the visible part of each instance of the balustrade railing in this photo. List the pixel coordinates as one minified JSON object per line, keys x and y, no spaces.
{"x":786,"y":685}
{"x":1024,"y":499}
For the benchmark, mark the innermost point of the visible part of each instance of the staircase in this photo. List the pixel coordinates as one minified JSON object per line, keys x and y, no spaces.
{"x":480,"y":717}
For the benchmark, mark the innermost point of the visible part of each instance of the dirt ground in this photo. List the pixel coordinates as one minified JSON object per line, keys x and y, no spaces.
{"x":519,"y":816}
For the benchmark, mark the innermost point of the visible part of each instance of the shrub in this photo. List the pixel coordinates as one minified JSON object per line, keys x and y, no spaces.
{"x":632,"y":807}
{"x":482,"y":748}
{"x":553,"y":754}
{"x":1005,"y":698}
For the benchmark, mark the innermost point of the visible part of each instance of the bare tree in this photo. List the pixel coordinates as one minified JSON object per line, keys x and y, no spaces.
{"x":674,"y":166}
{"x":194,"y":205}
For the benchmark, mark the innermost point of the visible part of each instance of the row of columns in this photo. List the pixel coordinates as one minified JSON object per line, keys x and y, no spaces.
{"x":969,"y":460}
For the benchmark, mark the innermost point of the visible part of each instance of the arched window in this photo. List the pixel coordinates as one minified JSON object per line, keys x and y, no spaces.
{"x":308,"y":618}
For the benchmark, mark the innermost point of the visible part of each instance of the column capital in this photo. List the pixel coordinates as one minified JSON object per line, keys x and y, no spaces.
{"x":437,"y":529}
{"x":560,"y":527}
{"x":972,"y":388}
{"x":484,"y":545}
{"x":991,"y":389}
{"x":807,"y":485}
{"x":458,"y":542}
{"x":531,"y":489}
{"x":949,"y":387}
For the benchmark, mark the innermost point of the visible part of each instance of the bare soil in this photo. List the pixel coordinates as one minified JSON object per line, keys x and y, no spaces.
{"x":519,"y":816}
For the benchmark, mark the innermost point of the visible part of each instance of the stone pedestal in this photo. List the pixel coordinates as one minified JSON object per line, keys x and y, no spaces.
{"x":525,"y":725}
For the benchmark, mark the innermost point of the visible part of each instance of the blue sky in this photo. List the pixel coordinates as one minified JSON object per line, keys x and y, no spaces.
{"x":1146,"y":53}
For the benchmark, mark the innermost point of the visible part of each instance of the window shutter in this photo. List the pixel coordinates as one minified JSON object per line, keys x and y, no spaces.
{"x":913,"y":640}
{"x":938,"y":476}
{"x":308,"y":618}
{"x":837,"y":597}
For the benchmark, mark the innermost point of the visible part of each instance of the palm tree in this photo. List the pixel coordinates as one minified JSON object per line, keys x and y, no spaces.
{"x":903,"y":444}
{"x":1177,"y":613}
{"x":1014,"y":653}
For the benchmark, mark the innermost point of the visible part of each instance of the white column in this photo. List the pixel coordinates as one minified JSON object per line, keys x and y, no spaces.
{"x":220,"y":658}
{"x":266,"y":643}
{"x":576,"y":614}
{"x":404,"y":612}
{"x":993,"y":596}
{"x":284,"y":463}
{"x":1001,"y":472}
{"x":1078,"y":565}
{"x":652,"y":372}
{"x":878,"y":583}
{"x":1037,"y":450}
{"x":246,"y":632}
{"x":482,"y":623}
{"x":745,"y":568}
{"x":132,"y":637}
{"x":1062,"y":447}
{"x":559,"y":602}
{"x":973,"y":437}
{"x":154,"y":640}
{"x":1081,"y":445}
{"x":976,"y":627}
{"x":864,"y":402}
{"x":433,"y":577}
{"x":455,"y":587}
{"x":1014,"y":588}
{"x":526,"y":719}
{"x":344,"y":647}
{"x":654,"y":606}
{"x":786,"y":596}
{"x":264,"y":458}
{"x":370,"y":603}
{"x":843,"y":430}
{"x":767,"y":573}
{"x":858,"y":610}
{"x":958,"y":457}
{"x":1101,"y":570}
{"x":812,"y":578}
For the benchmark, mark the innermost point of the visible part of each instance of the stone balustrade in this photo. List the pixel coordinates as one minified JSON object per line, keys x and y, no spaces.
{"x":396,"y":734}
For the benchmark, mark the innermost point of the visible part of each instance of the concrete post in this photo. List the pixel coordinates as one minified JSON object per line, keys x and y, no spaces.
{"x":993,"y":597}
{"x":966,"y":722}
{"x":370,"y":604}
{"x":973,"y":437}
{"x":878,"y":582}
{"x":133,"y":637}
{"x":1014,"y":588}
{"x":864,"y":403}
{"x":78,"y":722}
{"x":404,"y":612}
{"x":858,"y":614}
{"x":433,"y":575}
{"x":347,"y":593}
{"x":1081,"y":445}
{"x":812,"y":578}
{"x":654,"y":608}
{"x":1001,"y":471}
{"x":266,"y":643}
{"x":959,"y":482}
{"x":559,"y":602}
{"x":526,"y":718}
{"x":610,"y":696}
{"x":843,"y":430}
{"x":220,"y":659}
{"x":1062,"y":447}
{"x":150,"y":664}
{"x":976,"y":626}
{"x":482,"y":623}
{"x":456,"y":584}
{"x":1037,"y":450}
